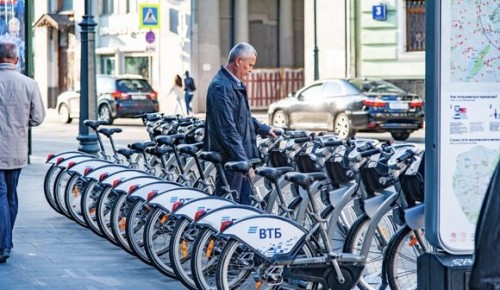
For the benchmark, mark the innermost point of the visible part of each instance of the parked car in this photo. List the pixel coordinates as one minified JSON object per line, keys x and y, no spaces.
{"x":390,"y":108}
{"x":124,"y":96}
{"x":332,"y":105}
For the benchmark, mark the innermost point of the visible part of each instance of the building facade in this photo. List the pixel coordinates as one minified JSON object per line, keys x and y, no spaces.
{"x":159,"y":39}
{"x":354,"y":41}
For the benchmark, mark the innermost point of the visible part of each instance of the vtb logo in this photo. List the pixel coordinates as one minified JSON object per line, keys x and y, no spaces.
{"x":266,"y":233}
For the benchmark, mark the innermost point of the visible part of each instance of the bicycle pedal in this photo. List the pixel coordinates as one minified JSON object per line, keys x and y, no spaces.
{"x":274,"y":275}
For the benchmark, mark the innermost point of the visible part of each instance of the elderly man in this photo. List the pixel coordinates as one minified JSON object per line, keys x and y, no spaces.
{"x":230,"y":128}
{"x":21,"y":106}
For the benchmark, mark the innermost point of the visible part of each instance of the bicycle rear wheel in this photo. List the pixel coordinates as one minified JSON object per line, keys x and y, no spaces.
{"x":181,"y":247}
{"x":119,"y":214}
{"x":239,"y":267}
{"x":48,"y":186}
{"x":73,"y":198}
{"x":157,"y":232}
{"x":135,"y":223}
{"x":371,"y":278}
{"x":403,"y":250}
{"x":204,"y":256}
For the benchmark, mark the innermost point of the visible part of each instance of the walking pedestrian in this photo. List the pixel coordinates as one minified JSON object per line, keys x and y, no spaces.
{"x":230,"y":128}
{"x":177,"y":90}
{"x":189,"y":88}
{"x":21,"y":107}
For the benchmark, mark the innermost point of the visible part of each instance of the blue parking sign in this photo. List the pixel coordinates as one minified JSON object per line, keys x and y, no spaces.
{"x":149,"y":15}
{"x":379,"y":12}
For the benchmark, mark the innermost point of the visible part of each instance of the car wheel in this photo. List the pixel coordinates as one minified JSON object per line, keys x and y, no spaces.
{"x":105,"y":114}
{"x":64,"y":114}
{"x":343,"y":126}
{"x":280,"y":119}
{"x":400,"y":136}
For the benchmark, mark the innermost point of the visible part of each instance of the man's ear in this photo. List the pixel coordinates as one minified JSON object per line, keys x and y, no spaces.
{"x":17,"y":60}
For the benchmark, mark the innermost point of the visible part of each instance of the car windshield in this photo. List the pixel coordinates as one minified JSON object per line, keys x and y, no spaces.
{"x":380,"y":87}
{"x":133,"y":85}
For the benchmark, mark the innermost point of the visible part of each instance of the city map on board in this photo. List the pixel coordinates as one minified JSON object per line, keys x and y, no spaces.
{"x":471,"y":178}
{"x":475,"y":41}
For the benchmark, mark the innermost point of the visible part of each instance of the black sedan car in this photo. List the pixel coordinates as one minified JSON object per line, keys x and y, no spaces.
{"x":124,"y":96}
{"x":390,"y":108}
{"x":332,"y":105}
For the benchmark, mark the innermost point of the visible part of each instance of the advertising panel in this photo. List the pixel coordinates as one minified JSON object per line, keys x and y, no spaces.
{"x":12,"y":27}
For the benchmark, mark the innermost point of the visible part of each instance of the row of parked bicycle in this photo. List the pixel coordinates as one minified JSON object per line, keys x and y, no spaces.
{"x":326,"y":214}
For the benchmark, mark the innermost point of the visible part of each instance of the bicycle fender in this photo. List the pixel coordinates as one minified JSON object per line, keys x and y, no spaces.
{"x":120,"y":176}
{"x":64,"y":155}
{"x":372,"y":204}
{"x":234,"y":213}
{"x":73,"y":160}
{"x":138,"y":180}
{"x":415,"y":217}
{"x":337,"y":194}
{"x":90,"y":164}
{"x":189,"y":209}
{"x":167,"y":199}
{"x":107,"y":169}
{"x":143,"y":191}
{"x":267,"y":234}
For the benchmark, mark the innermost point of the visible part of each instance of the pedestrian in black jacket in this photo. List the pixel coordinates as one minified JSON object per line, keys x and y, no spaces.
{"x":189,"y":88}
{"x":230,"y":128}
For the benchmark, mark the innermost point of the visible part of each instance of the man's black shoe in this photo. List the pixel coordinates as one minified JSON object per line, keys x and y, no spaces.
{"x":4,"y":255}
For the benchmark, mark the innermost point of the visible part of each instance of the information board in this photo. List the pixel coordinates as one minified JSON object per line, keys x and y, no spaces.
{"x":462,"y":119}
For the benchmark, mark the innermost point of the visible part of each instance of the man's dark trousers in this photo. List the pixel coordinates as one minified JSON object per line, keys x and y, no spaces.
{"x":238,"y":182}
{"x":8,"y":205}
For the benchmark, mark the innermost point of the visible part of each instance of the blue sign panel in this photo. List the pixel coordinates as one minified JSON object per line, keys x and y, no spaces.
{"x":379,"y":12}
{"x":149,"y":15}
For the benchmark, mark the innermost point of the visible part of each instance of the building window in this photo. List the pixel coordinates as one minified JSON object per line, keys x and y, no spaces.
{"x":415,"y":25}
{"x":137,"y":65}
{"x":107,"y":64}
{"x":107,"y":7}
{"x":66,"y":5}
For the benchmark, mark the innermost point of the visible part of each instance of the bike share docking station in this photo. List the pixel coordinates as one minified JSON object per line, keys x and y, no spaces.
{"x":461,"y":142}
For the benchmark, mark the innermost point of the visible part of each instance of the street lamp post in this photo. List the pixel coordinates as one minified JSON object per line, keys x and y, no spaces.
{"x":87,"y":138}
{"x":316,"y":65}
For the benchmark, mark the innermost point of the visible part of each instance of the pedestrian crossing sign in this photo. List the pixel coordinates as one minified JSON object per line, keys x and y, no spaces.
{"x":149,"y":15}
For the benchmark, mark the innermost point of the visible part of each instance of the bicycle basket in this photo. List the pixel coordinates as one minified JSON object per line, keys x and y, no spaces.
{"x":412,"y":182}
{"x":307,"y":163}
{"x":278,"y":158}
{"x":375,"y":175}
{"x":338,"y":168}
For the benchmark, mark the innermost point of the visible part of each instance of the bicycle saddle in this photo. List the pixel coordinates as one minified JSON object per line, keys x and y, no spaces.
{"x":211,"y":156}
{"x":190,"y":149}
{"x":141,"y":146}
{"x":170,"y":140}
{"x":273,"y":173}
{"x":94,"y":123}
{"x":305,"y":179}
{"x":126,"y":152}
{"x":238,"y":166}
{"x":109,"y":131}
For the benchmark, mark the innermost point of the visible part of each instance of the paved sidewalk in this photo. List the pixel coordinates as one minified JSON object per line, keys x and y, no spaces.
{"x":52,"y":252}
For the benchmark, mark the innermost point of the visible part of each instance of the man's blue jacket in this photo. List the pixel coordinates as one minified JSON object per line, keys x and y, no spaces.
{"x":230,"y":128}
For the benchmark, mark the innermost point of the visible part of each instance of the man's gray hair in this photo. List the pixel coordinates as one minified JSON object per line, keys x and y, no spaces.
{"x":242,"y":49}
{"x":8,"y":50}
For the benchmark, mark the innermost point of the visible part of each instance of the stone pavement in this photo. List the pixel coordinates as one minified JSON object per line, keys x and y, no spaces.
{"x":52,"y":252}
